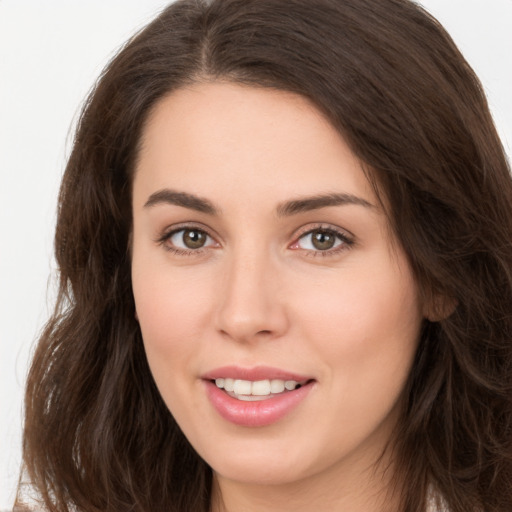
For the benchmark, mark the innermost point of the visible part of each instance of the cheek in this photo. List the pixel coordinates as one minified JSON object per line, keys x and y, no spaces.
{"x":366,"y":322}
{"x":172,"y":313}
{"x":171,"y":308}
{"x":365,"y":332}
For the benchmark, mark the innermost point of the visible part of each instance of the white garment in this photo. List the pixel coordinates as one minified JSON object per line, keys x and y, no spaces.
{"x":435,"y":502}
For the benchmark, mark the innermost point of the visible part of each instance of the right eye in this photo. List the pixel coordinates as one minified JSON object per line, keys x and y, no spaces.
{"x":187,"y":240}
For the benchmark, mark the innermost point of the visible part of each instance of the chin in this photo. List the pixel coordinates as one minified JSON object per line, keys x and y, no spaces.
{"x":258,"y":465}
{"x":263,"y":474}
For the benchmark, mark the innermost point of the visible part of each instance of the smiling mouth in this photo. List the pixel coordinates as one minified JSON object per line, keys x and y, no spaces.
{"x":252,"y":391}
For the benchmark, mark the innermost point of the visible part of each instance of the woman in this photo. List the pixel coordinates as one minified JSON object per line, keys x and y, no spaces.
{"x":283,"y":240}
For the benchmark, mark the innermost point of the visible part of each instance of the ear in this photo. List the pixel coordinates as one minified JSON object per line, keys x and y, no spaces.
{"x":439,"y":307}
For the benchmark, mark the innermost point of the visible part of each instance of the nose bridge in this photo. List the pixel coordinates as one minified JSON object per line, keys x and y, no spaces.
{"x":250,"y":307}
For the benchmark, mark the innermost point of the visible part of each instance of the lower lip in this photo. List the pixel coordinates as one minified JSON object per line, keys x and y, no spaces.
{"x":255,"y":414}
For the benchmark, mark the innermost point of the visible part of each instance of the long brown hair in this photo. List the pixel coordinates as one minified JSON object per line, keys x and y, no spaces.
{"x":98,"y":436}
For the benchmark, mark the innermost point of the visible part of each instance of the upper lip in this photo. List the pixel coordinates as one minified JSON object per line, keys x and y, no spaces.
{"x":254,"y":374}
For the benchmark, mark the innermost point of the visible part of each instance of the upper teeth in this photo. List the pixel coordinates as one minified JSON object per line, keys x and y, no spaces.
{"x":257,"y":388}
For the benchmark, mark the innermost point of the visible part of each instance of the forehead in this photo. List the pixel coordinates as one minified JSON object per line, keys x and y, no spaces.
{"x":246,"y":140}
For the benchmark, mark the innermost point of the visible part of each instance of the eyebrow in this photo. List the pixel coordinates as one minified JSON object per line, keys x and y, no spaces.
{"x":286,"y":209}
{"x":167,"y":196}
{"x":320,"y":201}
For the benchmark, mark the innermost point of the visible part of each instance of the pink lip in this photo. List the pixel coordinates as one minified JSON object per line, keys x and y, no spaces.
{"x":260,"y":413}
{"x":256,"y":373}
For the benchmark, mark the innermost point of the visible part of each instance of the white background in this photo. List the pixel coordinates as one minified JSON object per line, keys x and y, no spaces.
{"x":50,"y":54}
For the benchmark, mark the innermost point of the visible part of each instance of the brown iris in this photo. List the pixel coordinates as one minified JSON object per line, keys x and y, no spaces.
{"x":193,"y":238}
{"x":323,"y":240}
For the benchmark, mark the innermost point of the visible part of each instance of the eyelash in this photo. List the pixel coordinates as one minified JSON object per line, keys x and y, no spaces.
{"x":346,"y":241}
{"x":178,"y":251}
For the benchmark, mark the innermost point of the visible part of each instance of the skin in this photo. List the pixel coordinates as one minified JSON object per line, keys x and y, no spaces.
{"x":259,"y":293}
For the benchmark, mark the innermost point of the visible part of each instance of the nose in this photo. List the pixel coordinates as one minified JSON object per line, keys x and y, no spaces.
{"x":251,"y":306}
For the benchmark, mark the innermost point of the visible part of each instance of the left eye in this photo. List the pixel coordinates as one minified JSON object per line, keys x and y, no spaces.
{"x":190,"y":239}
{"x":319,"y":240}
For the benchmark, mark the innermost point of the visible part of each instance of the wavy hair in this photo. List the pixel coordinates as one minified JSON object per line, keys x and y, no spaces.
{"x":97,"y":435}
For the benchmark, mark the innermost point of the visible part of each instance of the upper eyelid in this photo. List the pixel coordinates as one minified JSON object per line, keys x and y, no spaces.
{"x":181,"y":226}
{"x":309,"y":228}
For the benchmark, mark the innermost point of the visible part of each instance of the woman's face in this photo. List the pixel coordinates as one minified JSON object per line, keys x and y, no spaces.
{"x":263,"y":261}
